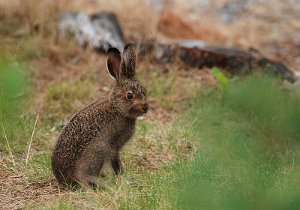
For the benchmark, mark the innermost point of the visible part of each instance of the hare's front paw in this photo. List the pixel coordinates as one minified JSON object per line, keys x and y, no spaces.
{"x":117,"y":165}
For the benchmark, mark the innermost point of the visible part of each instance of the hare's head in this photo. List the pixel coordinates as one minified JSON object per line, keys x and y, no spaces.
{"x":128,"y":95}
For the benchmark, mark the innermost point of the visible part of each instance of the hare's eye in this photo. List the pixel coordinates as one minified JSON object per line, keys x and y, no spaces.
{"x":129,"y":95}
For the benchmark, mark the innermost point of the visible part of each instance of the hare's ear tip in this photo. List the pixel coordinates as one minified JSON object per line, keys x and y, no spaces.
{"x":129,"y":45}
{"x":112,"y":50}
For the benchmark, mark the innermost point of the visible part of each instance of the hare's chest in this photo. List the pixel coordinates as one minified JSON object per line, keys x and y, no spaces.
{"x":122,"y":135}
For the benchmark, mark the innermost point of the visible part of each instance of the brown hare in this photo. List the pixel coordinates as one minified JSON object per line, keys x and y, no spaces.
{"x":96,"y":134}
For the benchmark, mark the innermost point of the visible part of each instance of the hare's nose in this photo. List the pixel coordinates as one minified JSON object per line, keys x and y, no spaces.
{"x":145,"y":108}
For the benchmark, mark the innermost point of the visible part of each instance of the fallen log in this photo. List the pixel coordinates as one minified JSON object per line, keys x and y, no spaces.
{"x":197,"y":54}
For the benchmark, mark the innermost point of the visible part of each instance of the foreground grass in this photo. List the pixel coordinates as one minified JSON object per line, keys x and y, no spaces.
{"x":249,"y":156}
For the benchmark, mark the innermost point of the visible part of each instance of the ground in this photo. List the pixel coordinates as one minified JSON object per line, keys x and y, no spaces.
{"x":62,"y":78}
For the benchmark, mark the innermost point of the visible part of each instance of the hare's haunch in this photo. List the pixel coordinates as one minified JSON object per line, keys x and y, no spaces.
{"x":96,"y":134}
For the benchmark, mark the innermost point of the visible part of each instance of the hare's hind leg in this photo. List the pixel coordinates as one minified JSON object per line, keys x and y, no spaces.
{"x":87,"y":172}
{"x":86,"y":181}
{"x":85,"y":178}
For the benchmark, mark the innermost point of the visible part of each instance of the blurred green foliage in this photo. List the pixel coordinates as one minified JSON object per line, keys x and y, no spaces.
{"x":249,"y":154}
{"x":220,"y":77}
{"x":13,"y":88}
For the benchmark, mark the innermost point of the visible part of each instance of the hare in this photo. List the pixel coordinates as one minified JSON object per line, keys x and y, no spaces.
{"x":96,"y":134}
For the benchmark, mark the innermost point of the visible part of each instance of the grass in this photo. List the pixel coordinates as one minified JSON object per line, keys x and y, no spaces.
{"x":39,"y":169}
{"x":249,"y":155}
{"x":167,"y":88}
{"x":144,"y":185}
{"x":232,"y":149}
{"x":61,"y":97}
{"x":148,"y":159}
{"x":229,"y":149}
{"x":162,"y":88}
{"x":245,"y":159}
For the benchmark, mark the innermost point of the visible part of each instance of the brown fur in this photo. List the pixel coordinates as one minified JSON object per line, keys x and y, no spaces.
{"x":96,"y":134}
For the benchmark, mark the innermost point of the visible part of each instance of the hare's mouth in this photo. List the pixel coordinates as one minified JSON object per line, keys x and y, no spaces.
{"x":141,"y":112}
{"x":138,"y":112}
{"x":145,"y":110}
{"x":141,"y":109}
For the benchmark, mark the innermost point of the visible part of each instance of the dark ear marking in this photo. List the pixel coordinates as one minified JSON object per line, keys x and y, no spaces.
{"x":128,"y":61}
{"x":113,"y":63}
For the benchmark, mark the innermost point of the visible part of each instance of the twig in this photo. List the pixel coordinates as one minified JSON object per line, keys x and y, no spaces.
{"x":7,"y":143}
{"x":32,"y":134}
{"x":15,"y":56}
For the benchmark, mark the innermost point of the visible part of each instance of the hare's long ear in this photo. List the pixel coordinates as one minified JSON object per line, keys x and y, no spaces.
{"x":128,"y":61}
{"x":113,"y":63}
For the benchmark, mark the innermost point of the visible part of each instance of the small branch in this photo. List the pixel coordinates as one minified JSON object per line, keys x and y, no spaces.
{"x":32,"y":134}
{"x":15,"y":56}
{"x":7,"y":144}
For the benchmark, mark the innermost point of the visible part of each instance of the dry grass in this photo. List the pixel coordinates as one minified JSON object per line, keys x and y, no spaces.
{"x":35,"y":16}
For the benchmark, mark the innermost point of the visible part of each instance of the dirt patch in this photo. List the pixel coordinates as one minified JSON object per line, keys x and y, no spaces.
{"x":16,"y":192}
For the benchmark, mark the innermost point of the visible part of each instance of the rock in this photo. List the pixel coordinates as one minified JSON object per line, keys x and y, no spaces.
{"x":234,"y":10}
{"x":155,"y":4}
{"x":98,"y":31}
